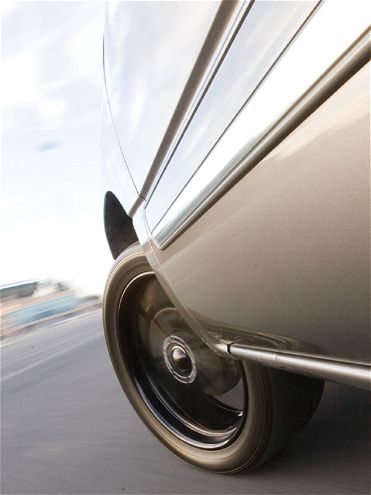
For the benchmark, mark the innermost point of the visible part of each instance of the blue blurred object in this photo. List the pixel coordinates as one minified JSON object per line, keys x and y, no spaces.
{"x":44,"y":309}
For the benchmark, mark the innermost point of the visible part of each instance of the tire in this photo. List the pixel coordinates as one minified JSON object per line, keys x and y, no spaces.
{"x":214,"y":412}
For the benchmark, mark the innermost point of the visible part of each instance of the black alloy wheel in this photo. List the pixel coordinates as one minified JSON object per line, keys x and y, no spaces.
{"x":213,"y":411}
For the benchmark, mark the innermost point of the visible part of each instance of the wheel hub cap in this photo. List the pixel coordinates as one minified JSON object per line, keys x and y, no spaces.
{"x":179,"y":359}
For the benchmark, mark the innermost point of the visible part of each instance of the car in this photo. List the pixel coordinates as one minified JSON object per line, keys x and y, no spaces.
{"x":236,"y":207}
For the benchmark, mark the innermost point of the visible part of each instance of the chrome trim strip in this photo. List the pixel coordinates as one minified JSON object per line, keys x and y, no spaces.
{"x":228,"y":20}
{"x":275,"y":109}
{"x":264,"y":21}
{"x":350,"y":374}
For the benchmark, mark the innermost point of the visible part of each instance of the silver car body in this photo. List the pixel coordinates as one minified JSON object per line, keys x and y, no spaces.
{"x":237,"y":138}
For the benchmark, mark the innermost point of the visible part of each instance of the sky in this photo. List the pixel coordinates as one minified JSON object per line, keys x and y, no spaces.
{"x":51,"y":192}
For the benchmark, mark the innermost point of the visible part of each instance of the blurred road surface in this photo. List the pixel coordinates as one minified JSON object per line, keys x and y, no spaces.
{"x":67,"y":428}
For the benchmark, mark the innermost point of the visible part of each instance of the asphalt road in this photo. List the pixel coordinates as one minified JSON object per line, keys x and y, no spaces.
{"x":67,"y":428}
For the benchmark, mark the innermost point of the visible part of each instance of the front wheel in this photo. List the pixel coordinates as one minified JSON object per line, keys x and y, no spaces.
{"x":212,"y":411}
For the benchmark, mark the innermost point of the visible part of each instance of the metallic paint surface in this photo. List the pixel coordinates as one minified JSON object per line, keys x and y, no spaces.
{"x":287,"y":250}
{"x":279,"y":92}
{"x":197,"y":196}
{"x":150,"y":50}
{"x":265,"y":33}
{"x":223,"y":29}
{"x":116,"y":176}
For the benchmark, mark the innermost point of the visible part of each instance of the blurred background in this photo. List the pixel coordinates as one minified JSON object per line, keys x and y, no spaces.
{"x":54,"y":256}
{"x":66,"y":426}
